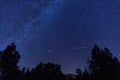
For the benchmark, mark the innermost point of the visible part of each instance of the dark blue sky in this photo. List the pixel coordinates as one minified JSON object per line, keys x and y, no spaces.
{"x":60,"y":31}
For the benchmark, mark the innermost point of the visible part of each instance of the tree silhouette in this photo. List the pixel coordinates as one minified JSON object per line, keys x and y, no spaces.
{"x":82,"y":75}
{"x":79,"y":74}
{"x":8,"y":63}
{"x":9,"y":70}
{"x":48,"y":71}
{"x":103,"y":65}
{"x":85,"y":75}
{"x":27,"y":75}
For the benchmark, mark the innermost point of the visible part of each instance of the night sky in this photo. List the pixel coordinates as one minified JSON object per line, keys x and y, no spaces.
{"x":59,"y":31}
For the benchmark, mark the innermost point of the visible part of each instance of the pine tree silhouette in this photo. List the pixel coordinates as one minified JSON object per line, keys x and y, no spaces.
{"x":8,"y":63}
{"x":103,"y":65}
{"x":48,"y":71}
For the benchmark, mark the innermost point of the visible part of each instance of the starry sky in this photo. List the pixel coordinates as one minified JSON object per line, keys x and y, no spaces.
{"x":59,"y":31}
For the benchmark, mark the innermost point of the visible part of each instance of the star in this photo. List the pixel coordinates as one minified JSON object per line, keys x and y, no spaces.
{"x":49,"y":51}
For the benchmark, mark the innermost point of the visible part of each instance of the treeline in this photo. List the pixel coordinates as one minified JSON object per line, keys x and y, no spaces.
{"x":101,"y":66}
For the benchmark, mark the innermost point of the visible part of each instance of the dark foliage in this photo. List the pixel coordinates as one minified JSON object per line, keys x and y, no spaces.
{"x":8,"y":63}
{"x":102,"y":66}
{"x":82,"y":75}
{"x":47,"y":71}
{"x":79,"y":74}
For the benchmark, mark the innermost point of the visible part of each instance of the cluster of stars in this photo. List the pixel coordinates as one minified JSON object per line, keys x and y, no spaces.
{"x":59,"y":30}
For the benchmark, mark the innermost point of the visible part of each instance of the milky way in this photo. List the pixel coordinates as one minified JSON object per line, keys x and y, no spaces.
{"x":21,"y":19}
{"x":60,"y":31}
